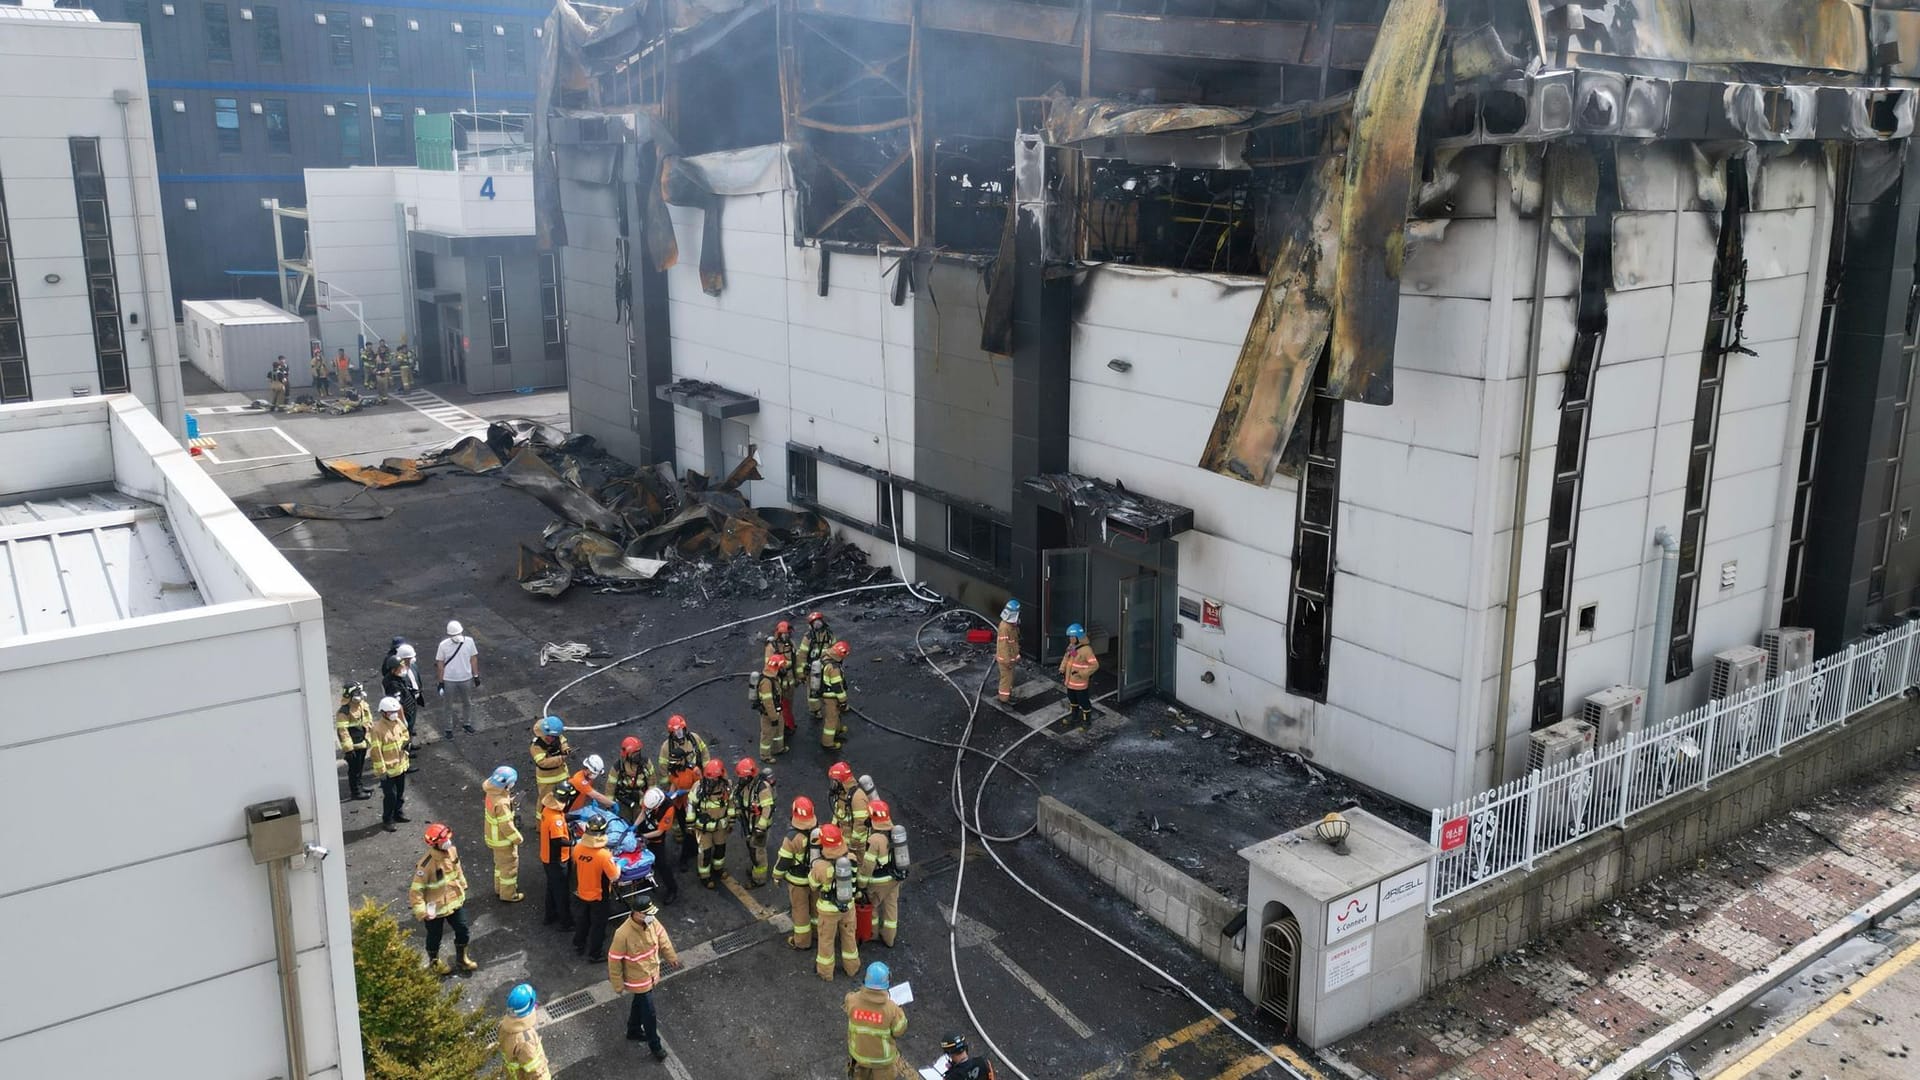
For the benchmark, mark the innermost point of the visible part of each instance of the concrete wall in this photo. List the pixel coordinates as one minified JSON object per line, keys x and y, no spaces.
{"x":357,"y":245}
{"x":1480,"y":925}
{"x":58,"y":75}
{"x":1192,"y":911}
{"x":963,"y":415}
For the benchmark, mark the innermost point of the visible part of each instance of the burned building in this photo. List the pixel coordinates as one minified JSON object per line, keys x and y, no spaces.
{"x":1336,"y":362}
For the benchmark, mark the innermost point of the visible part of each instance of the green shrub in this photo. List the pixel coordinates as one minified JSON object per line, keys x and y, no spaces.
{"x":412,"y":1025}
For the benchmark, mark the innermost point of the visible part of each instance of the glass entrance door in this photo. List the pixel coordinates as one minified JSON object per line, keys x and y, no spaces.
{"x":1064,"y":601}
{"x":1139,"y":624}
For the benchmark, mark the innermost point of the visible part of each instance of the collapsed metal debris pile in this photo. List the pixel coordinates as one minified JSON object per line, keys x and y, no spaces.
{"x":618,"y":527}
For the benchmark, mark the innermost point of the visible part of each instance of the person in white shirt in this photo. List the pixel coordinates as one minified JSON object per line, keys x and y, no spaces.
{"x":458,"y":660}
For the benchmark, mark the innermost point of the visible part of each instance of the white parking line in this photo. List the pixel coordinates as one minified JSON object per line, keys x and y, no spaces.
{"x":442,"y":412}
{"x":974,"y":933}
{"x":298,"y":450}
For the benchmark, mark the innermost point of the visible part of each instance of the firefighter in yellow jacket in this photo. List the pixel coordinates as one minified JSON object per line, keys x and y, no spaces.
{"x":850,"y":804}
{"x":350,"y":725}
{"x":438,"y":897}
{"x":388,"y":744}
{"x":753,"y":808}
{"x":639,"y":947}
{"x":763,"y":696}
{"x":1006,"y":647}
{"x":550,"y":751}
{"x":712,"y":806}
{"x":833,"y":696}
{"x":874,"y":1023}
{"x":832,"y":880}
{"x":781,"y":641}
{"x":791,"y":866}
{"x":878,"y":877}
{"x":503,"y":833}
{"x":520,"y":1047}
{"x":808,"y":655}
{"x":1076,"y":668}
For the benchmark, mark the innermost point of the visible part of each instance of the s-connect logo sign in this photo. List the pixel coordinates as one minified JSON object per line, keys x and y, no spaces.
{"x":1352,"y":913}
{"x":1354,"y":910}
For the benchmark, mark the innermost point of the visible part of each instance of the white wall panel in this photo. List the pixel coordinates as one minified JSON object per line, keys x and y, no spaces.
{"x":1412,"y":556}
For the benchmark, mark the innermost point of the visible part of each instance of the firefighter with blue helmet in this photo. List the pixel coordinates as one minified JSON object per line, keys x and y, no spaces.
{"x":1076,"y":669}
{"x":519,"y":1039}
{"x":874,"y":1023}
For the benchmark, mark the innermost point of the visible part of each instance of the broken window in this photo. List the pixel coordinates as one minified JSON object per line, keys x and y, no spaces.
{"x":889,"y":512}
{"x":1310,"y":623}
{"x":979,"y":539}
{"x":803,"y":478}
{"x":1199,"y":220}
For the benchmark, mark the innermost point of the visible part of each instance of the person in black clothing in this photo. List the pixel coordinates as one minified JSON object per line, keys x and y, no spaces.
{"x":397,"y":680}
{"x":962,"y":1065}
{"x":653,"y":823}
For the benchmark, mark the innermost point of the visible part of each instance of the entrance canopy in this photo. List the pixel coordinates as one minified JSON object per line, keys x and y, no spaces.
{"x":1089,"y":503}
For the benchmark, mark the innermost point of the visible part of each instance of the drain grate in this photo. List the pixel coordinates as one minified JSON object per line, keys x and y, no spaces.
{"x":735,"y":940}
{"x":577,"y":1002}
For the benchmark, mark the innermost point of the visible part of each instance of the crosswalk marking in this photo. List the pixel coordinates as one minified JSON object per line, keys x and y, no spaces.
{"x":441,"y":411}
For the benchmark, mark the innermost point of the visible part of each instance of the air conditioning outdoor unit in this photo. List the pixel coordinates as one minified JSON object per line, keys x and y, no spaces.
{"x":1615,"y":711}
{"x":1789,"y":648}
{"x":1566,"y":798}
{"x":1557,"y":743}
{"x":1737,"y":670}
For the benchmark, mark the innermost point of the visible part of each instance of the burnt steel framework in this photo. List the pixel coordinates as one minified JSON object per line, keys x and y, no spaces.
{"x":96,"y":241}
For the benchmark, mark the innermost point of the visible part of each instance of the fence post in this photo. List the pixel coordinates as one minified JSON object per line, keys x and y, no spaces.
{"x":1786,"y":693}
{"x":1706,"y":751}
{"x":1626,"y":778}
{"x":1846,"y":683}
{"x":1433,"y":863}
{"x":1533,"y":813}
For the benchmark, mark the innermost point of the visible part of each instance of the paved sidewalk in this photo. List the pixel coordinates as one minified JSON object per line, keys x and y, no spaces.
{"x":1565,"y":1006}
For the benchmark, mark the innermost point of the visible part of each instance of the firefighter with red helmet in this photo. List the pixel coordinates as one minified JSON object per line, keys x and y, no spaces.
{"x":781,"y":641}
{"x":833,"y":696}
{"x":681,"y":757}
{"x":712,"y":802}
{"x":796,"y":857}
{"x":850,"y":799}
{"x":832,"y":881}
{"x":811,"y":656}
{"x":880,"y":875}
{"x":632,"y":775}
{"x":763,"y":697}
{"x":438,"y":897}
{"x":753,"y":809}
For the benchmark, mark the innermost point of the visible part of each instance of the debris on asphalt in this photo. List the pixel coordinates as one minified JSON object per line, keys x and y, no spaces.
{"x":393,"y":472}
{"x":316,"y":512}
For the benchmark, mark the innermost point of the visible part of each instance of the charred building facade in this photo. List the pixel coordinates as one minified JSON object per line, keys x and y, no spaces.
{"x":1336,"y":363}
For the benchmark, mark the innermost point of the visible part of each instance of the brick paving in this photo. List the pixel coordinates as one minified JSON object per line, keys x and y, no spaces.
{"x":1566,"y":1005}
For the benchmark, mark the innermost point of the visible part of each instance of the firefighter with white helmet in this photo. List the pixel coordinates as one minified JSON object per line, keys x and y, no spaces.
{"x":388,"y":743}
{"x":593,"y":768}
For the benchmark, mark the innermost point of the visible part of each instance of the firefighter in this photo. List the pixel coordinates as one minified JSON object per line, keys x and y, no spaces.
{"x":782,"y":642}
{"x":278,"y":376}
{"x":632,"y":776}
{"x":831,"y":879}
{"x":813,"y":649}
{"x":519,"y":1038}
{"x":653,"y":825}
{"x":383,"y":367}
{"x":438,"y":896}
{"x":593,"y":768}
{"x":712,"y":811}
{"x":753,"y":809}
{"x":833,"y":696}
{"x":366,"y":367}
{"x":556,"y":855}
{"x":387,"y":747}
{"x":503,"y":833}
{"x":763,"y":697}
{"x":962,"y":1065}
{"x":1076,"y":668}
{"x":1006,"y":647}
{"x":408,"y":366}
{"x":879,"y":877}
{"x":593,"y":871}
{"x":350,"y":726}
{"x":795,"y":860}
{"x":681,"y":757}
{"x":639,"y":947}
{"x":850,"y":801}
{"x":317,"y":364}
{"x":550,"y":751}
{"x":874,"y":1022}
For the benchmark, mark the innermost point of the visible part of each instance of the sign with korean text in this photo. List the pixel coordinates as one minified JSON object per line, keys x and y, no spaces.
{"x":1349,"y":962}
{"x":1453,"y":834}
{"x":1402,"y":891}
{"x":1352,"y":913}
{"x":1210,"y":615}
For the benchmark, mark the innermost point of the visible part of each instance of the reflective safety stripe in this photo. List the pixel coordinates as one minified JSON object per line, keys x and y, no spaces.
{"x":802,"y":928}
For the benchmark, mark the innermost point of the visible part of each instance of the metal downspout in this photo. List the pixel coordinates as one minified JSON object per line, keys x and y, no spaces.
{"x":289,"y":968}
{"x":1669,"y":546}
{"x":1517,"y":535}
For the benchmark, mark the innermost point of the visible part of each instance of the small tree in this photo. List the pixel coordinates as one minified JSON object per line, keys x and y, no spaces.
{"x":412,"y":1027}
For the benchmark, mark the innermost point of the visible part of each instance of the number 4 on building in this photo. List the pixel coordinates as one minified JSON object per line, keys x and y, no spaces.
{"x":486,"y":189}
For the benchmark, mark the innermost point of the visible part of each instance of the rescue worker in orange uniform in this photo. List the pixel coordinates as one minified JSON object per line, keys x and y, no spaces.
{"x":850,"y":804}
{"x":632,"y":776}
{"x":792,"y":866}
{"x":833,"y":697}
{"x":556,"y":856}
{"x":812,"y":650}
{"x":763,"y":697}
{"x":503,"y":833}
{"x":582,"y":780}
{"x":639,"y":947}
{"x":782,"y":642}
{"x":520,"y":1048}
{"x":1077,"y":667}
{"x":879,"y":877}
{"x":874,"y":1022}
{"x":593,"y":871}
{"x":550,"y":751}
{"x":752,"y":800}
{"x":438,"y":897}
{"x":1006,"y":647}
{"x":832,"y":881}
{"x":681,"y":758}
{"x":712,"y":812}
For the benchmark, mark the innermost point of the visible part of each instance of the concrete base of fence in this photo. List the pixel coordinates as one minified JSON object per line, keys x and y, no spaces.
{"x":1195,"y":913}
{"x":1493,"y":919}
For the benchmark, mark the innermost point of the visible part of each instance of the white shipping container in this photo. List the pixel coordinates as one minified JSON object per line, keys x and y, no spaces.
{"x":233,"y":342}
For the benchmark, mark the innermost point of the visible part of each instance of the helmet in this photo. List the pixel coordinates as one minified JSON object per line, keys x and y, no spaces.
{"x":597,"y":826}
{"x":439,"y":835}
{"x":389,"y":705}
{"x":565,"y":791}
{"x":745,"y":768}
{"x":653,"y":798}
{"x":814,"y":617}
{"x":840,"y":771}
{"x":504,"y":776}
{"x":1013,"y":605}
{"x":878,"y":976}
{"x":1076,"y":630}
{"x":399,"y":641}
{"x":677,"y":724}
{"x":404,"y":652}
{"x":552,"y":726}
{"x":880,"y":812}
{"x":783,"y":627}
{"x":594,"y":765}
{"x":830,"y":836}
{"x":521,"y":1000}
{"x":630,"y":746}
{"x":715,"y":769}
{"x":840,"y":650}
{"x":1010,"y":613}
{"x":353,"y":690}
{"x":776,"y":662}
{"x":454,"y":629}
{"x":953,"y":1044}
{"x":803,"y":813}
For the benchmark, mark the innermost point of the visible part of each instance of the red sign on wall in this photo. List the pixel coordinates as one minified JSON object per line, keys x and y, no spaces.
{"x":1453,"y":834}
{"x":1210,"y":614}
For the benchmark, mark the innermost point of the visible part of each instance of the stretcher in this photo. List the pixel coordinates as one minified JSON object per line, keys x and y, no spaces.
{"x":635,"y":885}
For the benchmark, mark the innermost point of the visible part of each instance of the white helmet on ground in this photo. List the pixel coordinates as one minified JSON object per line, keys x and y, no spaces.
{"x":389,"y":705}
{"x":454,"y":629}
{"x":594,"y":765}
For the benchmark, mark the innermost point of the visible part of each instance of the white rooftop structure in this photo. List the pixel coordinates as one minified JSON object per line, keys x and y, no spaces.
{"x":87,"y":559}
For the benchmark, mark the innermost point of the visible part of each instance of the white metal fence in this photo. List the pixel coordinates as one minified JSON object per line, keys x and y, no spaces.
{"x":1511,"y":826}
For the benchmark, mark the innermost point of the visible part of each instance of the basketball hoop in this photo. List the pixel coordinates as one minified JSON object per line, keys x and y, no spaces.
{"x":322,"y":295}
